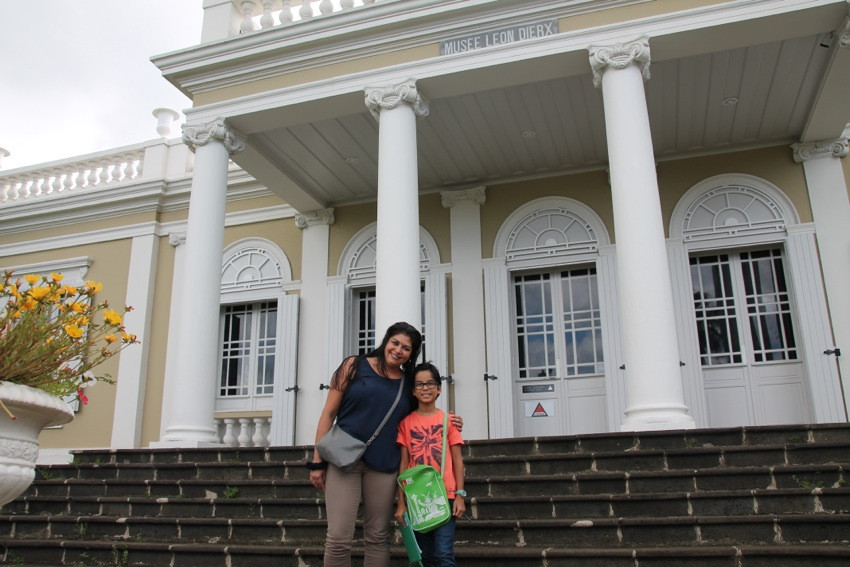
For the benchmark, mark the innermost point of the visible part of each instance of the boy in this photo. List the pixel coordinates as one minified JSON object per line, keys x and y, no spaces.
{"x":420,"y":436}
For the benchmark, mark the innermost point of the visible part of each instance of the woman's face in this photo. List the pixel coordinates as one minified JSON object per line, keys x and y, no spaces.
{"x":398,"y":350}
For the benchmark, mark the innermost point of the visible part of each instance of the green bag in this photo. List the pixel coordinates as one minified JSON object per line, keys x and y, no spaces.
{"x":414,"y":554}
{"x":425,"y":492}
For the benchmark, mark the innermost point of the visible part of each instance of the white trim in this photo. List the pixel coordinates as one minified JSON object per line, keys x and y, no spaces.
{"x":501,"y":350}
{"x":283,"y":418}
{"x":131,"y":231}
{"x":74,"y":269}
{"x":272,"y":251}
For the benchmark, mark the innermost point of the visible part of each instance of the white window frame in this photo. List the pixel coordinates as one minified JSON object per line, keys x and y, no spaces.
{"x":272,"y":282}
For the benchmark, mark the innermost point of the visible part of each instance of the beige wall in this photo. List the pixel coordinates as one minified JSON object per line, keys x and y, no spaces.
{"x":92,"y":426}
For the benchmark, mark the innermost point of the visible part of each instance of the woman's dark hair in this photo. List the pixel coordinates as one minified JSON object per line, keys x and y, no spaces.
{"x":400,"y":328}
{"x":431,"y":369}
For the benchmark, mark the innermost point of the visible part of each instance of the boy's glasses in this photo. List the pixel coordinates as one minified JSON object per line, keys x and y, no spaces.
{"x":425,"y":385}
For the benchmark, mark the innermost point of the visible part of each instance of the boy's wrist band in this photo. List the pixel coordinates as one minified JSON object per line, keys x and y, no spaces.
{"x":313,"y":466}
{"x":461,"y":493}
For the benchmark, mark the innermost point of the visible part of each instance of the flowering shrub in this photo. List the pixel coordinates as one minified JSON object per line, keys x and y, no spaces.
{"x":52,"y":335}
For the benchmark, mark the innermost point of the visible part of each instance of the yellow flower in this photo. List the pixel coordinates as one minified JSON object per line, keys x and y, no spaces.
{"x":73,"y":331}
{"x":81,"y":321}
{"x":56,"y":277}
{"x":32,"y":279}
{"x":110,"y":338}
{"x":128,"y":337}
{"x":39,"y":292}
{"x":112,"y":317}
{"x":94,"y":287}
{"x":28,"y":304}
{"x":69,"y":289}
{"x":78,"y":307}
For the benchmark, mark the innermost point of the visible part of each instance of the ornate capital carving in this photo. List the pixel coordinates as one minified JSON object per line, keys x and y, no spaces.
{"x":390,"y":96}
{"x":836,"y":148}
{"x":177,"y":238}
{"x":475,"y":195}
{"x":324,"y":216}
{"x":218,"y":129}
{"x":619,"y":56}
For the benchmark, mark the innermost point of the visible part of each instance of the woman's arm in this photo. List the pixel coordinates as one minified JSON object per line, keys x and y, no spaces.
{"x":459,"y":507}
{"x":326,"y":420}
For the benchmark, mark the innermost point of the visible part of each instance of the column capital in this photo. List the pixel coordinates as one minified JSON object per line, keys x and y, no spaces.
{"x":835,"y":148}
{"x":177,"y":238}
{"x":844,"y":34}
{"x":390,"y":96}
{"x":313,"y":218}
{"x":218,"y":129}
{"x":475,"y":195}
{"x":619,"y":56}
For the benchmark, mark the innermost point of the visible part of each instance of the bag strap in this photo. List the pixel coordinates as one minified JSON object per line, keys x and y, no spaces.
{"x":445,"y":433}
{"x":386,"y":417}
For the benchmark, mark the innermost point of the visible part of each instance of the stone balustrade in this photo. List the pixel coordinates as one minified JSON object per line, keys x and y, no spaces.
{"x":87,"y":172}
{"x":244,"y":431}
{"x":263,"y":14}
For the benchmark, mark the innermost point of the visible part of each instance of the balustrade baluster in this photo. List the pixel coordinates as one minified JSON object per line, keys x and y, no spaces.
{"x":259,"y":439}
{"x":244,"y":432}
{"x":266,"y":20}
{"x":43,"y":185}
{"x":103,"y":174}
{"x":285,"y":15}
{"x":346,"y":4}
{"x":326,"y":7}
{"x":247,"y":24}
{"x":229,"y":438}
{"x":55,"y":182}
{"x":306,"y":10}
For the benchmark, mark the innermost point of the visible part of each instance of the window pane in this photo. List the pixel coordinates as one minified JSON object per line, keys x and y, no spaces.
{"x":365,"y":304}
{"x":714,"y":307}
{"x":535,"y":326}
{"x":768,"y":306}
{"x":236,"y":350}
{"x":266,"y":348}
{"x":582,"y":322}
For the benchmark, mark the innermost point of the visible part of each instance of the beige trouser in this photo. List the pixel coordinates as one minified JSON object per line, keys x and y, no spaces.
{"x":343,"y":492}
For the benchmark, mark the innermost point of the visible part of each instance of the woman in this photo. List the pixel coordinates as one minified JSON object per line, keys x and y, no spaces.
{"x":362,"y":391}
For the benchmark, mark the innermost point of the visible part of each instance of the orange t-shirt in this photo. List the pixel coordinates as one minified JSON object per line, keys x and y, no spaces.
{"x":423,"y":437}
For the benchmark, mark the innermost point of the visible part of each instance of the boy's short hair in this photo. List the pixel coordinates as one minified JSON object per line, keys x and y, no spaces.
{"x":428,"y":367}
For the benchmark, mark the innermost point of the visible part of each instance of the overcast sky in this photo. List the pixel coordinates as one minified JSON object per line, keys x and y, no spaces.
{"x":76,"y":76}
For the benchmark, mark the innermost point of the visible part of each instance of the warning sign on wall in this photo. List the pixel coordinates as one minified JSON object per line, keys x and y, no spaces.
{"x":540,"y":408}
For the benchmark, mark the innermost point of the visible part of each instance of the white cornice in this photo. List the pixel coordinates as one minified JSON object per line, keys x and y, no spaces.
{"x":353,"y":35}
{"x":571,"y":42}
{"x":141,"y":229}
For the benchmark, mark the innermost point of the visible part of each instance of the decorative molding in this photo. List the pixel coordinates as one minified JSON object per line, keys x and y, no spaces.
{"x":550,"y":229}
{"x":390,"y":96}
{"x":844,"y":35}
{"x":177,"y":238}
{"x":836,"y":148}
{"x":314,"y":218}
{"x":74,"y":269}
{"x":218,"y":129}
{"x":252,"y":265}
{"x":357,"y":261}
{"x":619,"y":56}
{"x":476,"y":195}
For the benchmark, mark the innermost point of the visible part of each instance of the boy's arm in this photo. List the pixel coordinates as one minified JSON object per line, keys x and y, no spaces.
{"x":459,"y":507}
{"x":401,"y":507}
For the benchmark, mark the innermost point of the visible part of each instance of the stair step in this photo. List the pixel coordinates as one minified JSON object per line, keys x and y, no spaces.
{"x":156,"y":554}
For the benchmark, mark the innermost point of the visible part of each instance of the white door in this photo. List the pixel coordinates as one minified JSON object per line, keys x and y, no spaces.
{"x":751,"y":368}
{"x":560,"y":379}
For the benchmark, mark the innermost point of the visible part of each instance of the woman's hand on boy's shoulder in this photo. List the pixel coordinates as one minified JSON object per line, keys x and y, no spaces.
{"x":456,"y":420}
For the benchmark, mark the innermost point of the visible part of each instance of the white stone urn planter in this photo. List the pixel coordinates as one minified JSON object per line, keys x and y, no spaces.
{"x":34,"y":410}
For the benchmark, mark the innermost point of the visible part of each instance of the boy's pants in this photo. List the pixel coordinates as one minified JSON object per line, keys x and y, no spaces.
{"x":438,"y":546}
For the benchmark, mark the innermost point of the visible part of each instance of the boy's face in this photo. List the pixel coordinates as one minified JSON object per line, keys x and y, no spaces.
{"x":425,"y":388}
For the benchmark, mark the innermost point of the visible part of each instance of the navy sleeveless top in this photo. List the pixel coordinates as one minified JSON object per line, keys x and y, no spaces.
{"x":367,"y":400}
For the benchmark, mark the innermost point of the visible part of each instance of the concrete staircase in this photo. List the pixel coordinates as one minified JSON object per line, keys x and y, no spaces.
{"x":738,"y":497}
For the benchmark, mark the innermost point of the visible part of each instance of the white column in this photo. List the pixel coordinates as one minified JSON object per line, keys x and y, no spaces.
{"x":133,"y":367}
{"x":315,"y":228}
{"x":469,"y":363}
{"x":397,"y":248}
{"x":191,"y":423}
{"x":654,"y":393}
{"x":828,"y":194}
{"x":178,"y":241}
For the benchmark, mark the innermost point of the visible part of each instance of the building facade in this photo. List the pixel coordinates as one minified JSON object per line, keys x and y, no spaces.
{"x":604,"y":215}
